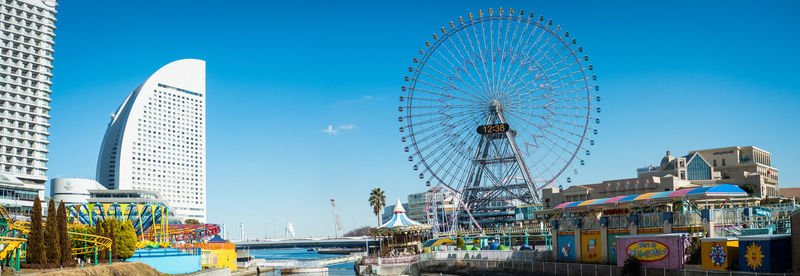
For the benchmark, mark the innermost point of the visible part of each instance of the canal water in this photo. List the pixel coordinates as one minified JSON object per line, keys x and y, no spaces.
{"x":302,"y":254}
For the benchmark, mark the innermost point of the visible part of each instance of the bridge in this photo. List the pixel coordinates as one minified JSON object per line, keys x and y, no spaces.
{"x":356,"y":242}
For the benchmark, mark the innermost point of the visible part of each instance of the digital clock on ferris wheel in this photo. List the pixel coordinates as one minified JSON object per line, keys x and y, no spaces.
{"x":493,"y":128}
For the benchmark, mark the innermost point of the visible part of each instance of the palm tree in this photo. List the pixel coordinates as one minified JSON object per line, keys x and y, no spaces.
{"x":377,"y":200}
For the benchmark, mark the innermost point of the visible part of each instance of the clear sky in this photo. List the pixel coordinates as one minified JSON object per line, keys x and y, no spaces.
{"x":674,"y":75}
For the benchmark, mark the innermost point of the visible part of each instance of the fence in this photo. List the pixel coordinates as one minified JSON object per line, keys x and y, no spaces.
{"x":433,"y":264}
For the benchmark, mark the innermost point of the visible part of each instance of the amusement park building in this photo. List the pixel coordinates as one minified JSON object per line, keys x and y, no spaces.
{"x":73,"y":190}
{"x":156,"y":139}
{"x":26,"y":55}
{"x":748,"y":167}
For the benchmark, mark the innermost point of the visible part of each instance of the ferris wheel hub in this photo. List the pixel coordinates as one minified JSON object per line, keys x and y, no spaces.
{"x":496,"y":105}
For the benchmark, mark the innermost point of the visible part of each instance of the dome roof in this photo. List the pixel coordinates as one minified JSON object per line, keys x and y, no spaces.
{"x":666,"y":160}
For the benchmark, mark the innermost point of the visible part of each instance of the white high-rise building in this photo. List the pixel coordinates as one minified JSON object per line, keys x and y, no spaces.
{"x":26,"y":58}
{"x":157,"y":139}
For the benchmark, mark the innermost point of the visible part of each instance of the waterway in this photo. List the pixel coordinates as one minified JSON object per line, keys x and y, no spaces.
{"x":302,"y":254}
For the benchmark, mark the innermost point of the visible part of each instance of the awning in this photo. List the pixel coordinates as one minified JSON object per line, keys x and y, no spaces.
{"x":722,"y":190}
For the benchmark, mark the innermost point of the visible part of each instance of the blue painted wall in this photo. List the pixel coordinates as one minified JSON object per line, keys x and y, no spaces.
{"x":168,"y":260}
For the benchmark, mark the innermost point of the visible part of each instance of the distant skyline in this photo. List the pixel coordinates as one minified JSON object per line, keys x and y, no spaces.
{"x":302,"y":96}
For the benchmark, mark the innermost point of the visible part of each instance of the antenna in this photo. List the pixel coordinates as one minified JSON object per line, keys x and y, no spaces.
{"x":338,"y":225}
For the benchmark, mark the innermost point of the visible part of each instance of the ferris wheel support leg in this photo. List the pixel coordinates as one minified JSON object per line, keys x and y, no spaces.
{"x":526,"y":174}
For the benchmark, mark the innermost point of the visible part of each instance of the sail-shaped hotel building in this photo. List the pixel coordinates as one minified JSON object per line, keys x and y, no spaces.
{"x":156,"y":139}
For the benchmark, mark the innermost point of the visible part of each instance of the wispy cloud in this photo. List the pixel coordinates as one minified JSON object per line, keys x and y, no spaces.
{"x":330,"y":130}
{"x":364,"y":98}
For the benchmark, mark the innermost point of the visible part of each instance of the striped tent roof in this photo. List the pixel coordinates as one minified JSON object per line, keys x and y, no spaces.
{"x":723,"y":190}
{"x":399,"y":218}
{"x":399,"y":223}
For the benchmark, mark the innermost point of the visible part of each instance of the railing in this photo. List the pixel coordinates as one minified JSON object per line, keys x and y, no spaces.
{"x":650,"y":220}
{"x":686,"y":219}
{"x":590,"y":223}
{"x":495,"y":255}
{"x":392,"y":260}
{"x":497,"y":231}
{"x":618,"y":222}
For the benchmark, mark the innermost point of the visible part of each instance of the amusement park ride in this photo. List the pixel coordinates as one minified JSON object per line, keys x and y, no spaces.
{"x":150,"y":223}
{"x":14,"y":237}
{"x":497,"y":107}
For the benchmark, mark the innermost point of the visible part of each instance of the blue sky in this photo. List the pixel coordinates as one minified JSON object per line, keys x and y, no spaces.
{"x":676,"y":75}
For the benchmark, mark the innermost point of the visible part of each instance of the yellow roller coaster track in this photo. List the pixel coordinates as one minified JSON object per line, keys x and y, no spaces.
{"x":102,"y":243}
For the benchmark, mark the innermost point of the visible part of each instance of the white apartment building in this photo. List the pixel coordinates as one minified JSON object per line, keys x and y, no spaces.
{"x":156,"y":141}
{"x":26,"y":58}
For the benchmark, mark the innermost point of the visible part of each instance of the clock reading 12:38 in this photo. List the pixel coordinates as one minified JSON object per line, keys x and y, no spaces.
{"x":493,"y":128}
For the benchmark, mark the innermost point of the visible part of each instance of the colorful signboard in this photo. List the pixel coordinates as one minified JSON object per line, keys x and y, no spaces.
{"x":566,"y":248}
{"x":648,"y":250}
{"x":661,"y":250}
{"x":591,"y":252}
{"x":718,"y":253}
{"x":765,"y":253}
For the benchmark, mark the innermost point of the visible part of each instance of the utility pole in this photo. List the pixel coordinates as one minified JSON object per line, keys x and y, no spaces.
{"x":241,"y":231}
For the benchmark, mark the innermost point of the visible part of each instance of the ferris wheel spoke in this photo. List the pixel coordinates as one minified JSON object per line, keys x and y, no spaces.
{"x":451,"y":76}
{"x":548,"y":118}
{"x":521,"y":79}
{"x":453,"y":87}
{"x":445,"y":129}
{"x":482,"y":56}
{"x":487,"y":54}
{"x":545,"y":129}
{"x":531,"y":47}
{"x":471,"y":53}
{"x":521,"y":52}
{"x":504,"y":70}
{"x":456,"y":76}
{"x":463,"y":65}
{"x":439,"y":94}
{"x":544,"y":81}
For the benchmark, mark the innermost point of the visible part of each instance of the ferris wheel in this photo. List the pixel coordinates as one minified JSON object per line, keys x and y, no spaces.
{"x":498,"y":106}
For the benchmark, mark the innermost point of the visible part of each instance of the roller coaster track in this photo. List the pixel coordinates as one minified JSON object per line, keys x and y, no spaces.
{"x":10,"y":243}
{"x":24,"y":228}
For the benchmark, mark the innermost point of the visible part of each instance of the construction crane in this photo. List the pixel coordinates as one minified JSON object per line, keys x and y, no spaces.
{"x":338,"y":228}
